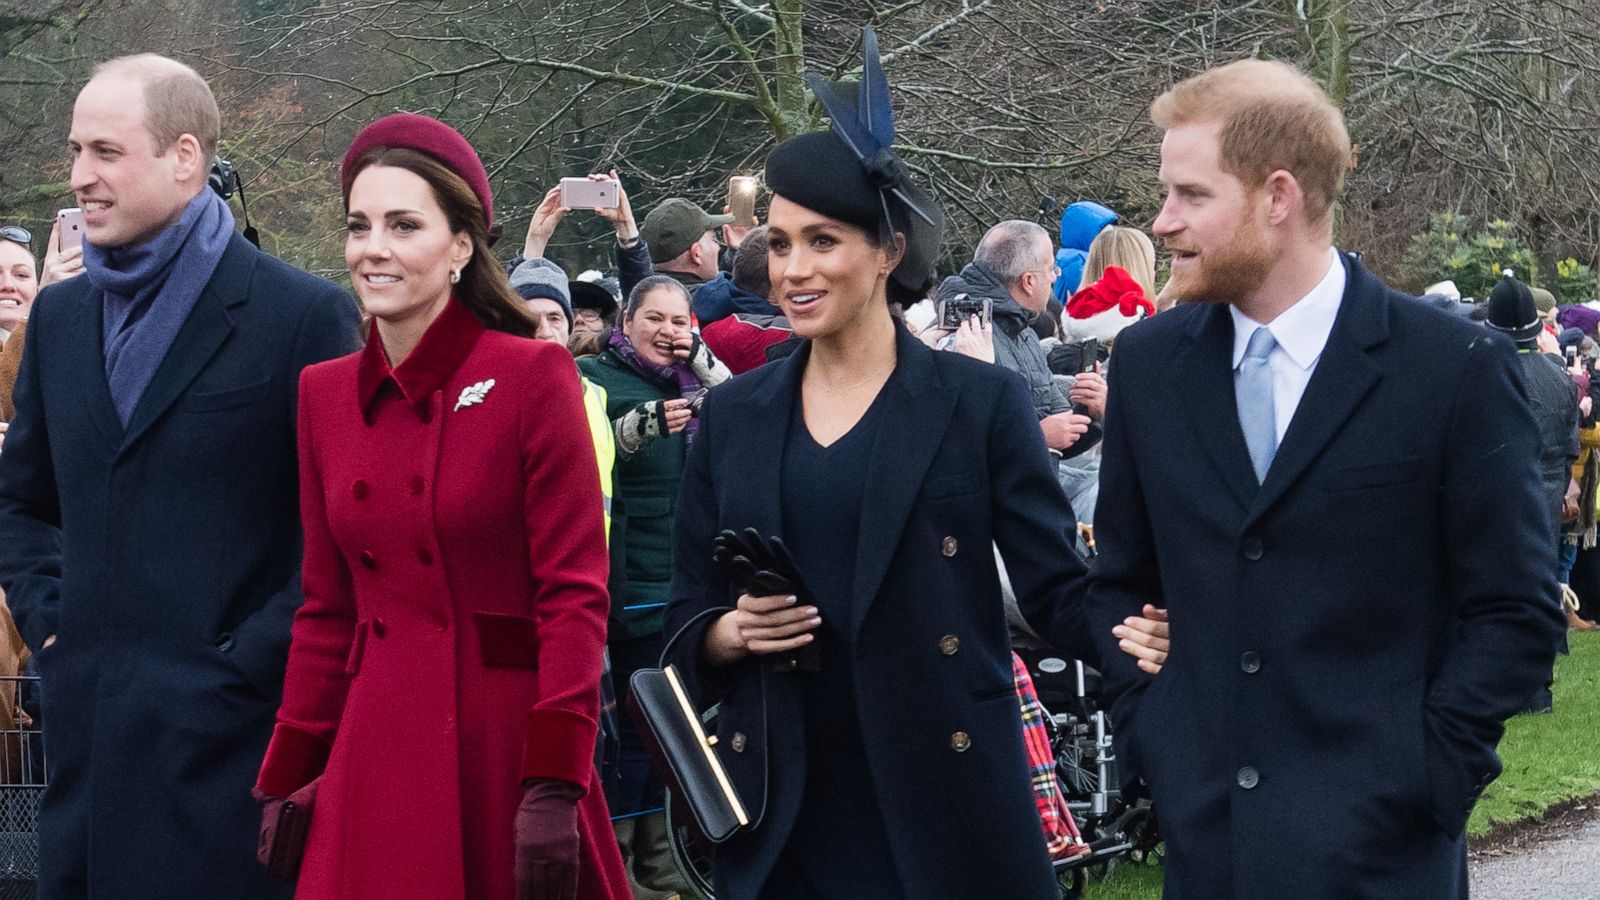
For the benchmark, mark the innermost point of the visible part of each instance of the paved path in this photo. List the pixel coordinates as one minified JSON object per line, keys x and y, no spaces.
{"x":1563,"y":868}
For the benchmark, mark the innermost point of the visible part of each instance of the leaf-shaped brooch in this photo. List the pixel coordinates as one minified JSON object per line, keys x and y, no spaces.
{"x":473,"y":394}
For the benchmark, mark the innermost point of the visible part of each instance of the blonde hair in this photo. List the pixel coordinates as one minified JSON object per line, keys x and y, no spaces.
{"x":1128,"y":248}
{"x":1272,"y":117}
{"x":177,"y":101}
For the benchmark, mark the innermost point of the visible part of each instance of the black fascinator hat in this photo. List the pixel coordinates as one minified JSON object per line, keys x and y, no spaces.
{"x":850,"y":172}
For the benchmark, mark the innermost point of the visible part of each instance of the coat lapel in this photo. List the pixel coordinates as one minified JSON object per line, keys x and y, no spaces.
{"x":772,"y":408}
{"x":1206,"y":385}
{"x":918,"y":404}
{"x":201,"y":336}
{"x":85,"y":340}
{"x":1344,"y":376}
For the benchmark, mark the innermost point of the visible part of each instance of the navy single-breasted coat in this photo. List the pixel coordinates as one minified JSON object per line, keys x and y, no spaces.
{"x":959,"y":465}
{"x":165,"y":558}
{"x":1349,"y":636}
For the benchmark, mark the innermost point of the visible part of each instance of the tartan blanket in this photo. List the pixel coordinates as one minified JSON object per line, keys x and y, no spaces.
{"x":1060,"y":831}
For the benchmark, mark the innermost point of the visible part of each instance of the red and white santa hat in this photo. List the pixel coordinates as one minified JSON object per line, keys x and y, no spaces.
{"x":1104,"y":308}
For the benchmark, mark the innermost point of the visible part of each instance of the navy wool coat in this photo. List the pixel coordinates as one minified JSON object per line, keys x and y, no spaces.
{"x":959,"y":465}
{"x":165,"y":557}
{"x":1349,"y":636}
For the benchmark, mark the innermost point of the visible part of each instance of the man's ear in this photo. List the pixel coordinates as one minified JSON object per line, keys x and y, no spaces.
{"x":190,"y":159}
{"x":1284,"y":197}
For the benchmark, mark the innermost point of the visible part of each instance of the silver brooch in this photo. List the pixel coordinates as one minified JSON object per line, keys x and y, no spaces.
{"x":473,"y":394}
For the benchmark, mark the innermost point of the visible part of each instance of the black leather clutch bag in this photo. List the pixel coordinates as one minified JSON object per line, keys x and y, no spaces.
{"x":688,"y":757}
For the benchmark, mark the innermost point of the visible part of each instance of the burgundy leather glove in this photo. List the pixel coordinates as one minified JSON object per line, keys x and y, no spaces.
{"x":546,"y":828}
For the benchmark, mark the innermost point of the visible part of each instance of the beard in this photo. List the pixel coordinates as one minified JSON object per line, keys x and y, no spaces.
{"x":1230,"y":273}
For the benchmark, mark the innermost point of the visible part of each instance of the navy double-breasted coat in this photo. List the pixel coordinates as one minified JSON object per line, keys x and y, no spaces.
{"x":958,"y":466}
{"x":165,"y":557}
{"x":1350,"y":635}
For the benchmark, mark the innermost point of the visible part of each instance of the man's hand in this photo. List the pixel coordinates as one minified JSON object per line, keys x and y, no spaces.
{"x":976,"y":341}
{"x":732,"y":233}
{"x":1062,"y":430}
{"x":761,"y":625}
{"x":59,"y":265}
{"x":621,"y":218}
{"x":1089,"y":392}
{"x":1147,"y":638}
{"x":543,"y":225}
{"x":1547,"y":343}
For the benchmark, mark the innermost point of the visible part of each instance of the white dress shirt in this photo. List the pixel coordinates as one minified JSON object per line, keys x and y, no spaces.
{"x":1301,"y":332}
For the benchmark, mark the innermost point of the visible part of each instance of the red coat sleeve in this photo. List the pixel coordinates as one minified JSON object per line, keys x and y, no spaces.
{"x":315,"y":687}
{"x":568,"y":567}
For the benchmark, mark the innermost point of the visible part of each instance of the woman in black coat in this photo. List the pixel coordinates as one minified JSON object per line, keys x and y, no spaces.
{"x":894,"y":766}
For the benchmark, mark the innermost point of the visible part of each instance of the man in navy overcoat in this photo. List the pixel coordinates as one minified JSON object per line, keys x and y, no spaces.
{"x":1334,"y":490}
{"x":148,"y":495}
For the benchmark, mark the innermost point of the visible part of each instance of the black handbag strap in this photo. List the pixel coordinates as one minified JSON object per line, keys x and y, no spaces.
{"x":666,"y":652}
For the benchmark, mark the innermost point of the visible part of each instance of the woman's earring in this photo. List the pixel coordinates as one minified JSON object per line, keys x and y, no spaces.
{"x":455,"y":276}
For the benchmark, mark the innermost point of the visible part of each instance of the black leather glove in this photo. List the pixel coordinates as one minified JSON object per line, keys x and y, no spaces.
{"x":546,"y":828}
{"x":763,"y":567}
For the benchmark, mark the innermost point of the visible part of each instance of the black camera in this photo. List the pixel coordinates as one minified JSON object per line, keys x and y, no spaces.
{"x":696,"y":399}
{"x":224,"y":178}
{"x":960,"y":308}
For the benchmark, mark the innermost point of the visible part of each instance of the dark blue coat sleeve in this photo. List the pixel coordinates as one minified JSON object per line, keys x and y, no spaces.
{"x":1126,"y":574}
{"x":633,"y":266}
{"x":261,"y":641}
{"x":30,"y":511}
{"x":1499,"y":582}
{"x":1034,"y":526}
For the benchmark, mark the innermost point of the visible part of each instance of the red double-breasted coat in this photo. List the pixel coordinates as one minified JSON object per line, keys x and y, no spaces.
{"x":455,"y":606}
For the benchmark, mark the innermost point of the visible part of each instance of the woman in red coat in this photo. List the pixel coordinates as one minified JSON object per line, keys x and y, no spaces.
{"x":443,"y":677}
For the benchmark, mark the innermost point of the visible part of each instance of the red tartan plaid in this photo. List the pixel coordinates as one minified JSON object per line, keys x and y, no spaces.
{"x":1060,"y":831}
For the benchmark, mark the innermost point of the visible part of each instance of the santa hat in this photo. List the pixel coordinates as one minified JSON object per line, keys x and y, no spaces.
{"x":1106,"y":307}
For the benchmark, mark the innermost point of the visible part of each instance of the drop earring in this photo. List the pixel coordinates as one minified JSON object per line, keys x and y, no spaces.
{"x":455,"y":276}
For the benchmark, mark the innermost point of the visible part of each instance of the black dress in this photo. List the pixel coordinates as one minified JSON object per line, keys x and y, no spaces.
{"x":839,"y":846}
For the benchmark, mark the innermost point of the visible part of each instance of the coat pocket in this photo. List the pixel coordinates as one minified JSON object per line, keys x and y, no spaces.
{"x":358,"y":647}
{"x":506,"y":641}
{"x":227,"y":398}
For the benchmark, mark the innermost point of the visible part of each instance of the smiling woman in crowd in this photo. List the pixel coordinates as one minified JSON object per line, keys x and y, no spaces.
{"x":443,"y":679}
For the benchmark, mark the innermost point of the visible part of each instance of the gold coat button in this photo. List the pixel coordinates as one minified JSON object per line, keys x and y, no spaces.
{"x":949,"y":644}
{"x":959,"y":742}
{"x":737,"y":742}
{"x":948,"y":547}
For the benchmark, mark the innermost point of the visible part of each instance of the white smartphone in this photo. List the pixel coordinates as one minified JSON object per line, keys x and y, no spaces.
{"x":742,"y":190}
{"x":69,"y":229}
{"x":583,"y":193}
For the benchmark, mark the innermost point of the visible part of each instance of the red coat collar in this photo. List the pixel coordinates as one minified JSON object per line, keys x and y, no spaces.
{"x":442,"y":350}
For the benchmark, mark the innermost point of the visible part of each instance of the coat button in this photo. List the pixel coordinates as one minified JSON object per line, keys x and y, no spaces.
{"x":949,"y":644}
{"x":959,"y":742}
{"x":379,"y":627}
{"x":368,"y":560}
{"x":948,"y":546}
{"x":737,"y":742}
{"x":425,"y":556}
{"x":416,"y":484}
{"x":1253,"y":550}
{"x":1250,"y":662}
{"x":1249,"y":777}
{"x":359,"y":490}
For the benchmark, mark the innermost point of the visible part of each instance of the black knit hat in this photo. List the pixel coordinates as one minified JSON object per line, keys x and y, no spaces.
{"x":1513,"y":311}
{"x":850,"y":173}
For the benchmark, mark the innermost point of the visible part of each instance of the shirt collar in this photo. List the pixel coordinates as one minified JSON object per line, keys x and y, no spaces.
{"x":442,"y":350}
{"x":1301,"y":330}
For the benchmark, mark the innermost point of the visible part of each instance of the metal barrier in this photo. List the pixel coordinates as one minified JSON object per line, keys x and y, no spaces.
{"x":24,"y":772}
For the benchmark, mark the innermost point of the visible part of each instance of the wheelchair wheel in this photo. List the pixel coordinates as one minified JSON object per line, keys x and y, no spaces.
{"x":691,"y":853}
{"x":1072,"y":882}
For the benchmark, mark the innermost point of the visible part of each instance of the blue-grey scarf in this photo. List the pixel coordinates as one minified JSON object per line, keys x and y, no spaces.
{"x":150,"y":289}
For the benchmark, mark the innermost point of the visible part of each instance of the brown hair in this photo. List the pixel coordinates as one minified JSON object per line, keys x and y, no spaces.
{"x":1272,"y":117}
{"x":177,"y":101}
{"x":1127,"y":248}
{"x":484,"y":288}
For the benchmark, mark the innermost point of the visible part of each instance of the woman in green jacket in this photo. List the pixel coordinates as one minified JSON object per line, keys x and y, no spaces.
{"x":653,"y":369}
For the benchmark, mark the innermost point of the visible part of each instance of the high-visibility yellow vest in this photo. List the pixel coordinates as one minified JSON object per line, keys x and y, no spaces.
{"x":605,"y":443}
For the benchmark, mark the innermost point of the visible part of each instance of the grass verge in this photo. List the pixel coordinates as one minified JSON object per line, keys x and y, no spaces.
{"x":1548,"y":759}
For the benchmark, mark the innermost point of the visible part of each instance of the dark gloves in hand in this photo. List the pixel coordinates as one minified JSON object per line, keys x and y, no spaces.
{"x":762,"y":567}
{"x":547,"y":840}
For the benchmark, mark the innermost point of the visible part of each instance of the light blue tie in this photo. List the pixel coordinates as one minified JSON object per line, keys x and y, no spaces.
{"x":1253,"y":391}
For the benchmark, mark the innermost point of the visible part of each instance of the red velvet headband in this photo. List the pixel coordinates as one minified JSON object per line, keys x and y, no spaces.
{"x":429,"y":137}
